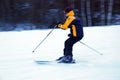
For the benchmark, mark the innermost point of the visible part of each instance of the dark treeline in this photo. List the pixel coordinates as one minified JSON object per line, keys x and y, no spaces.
{"x":45,"y":13}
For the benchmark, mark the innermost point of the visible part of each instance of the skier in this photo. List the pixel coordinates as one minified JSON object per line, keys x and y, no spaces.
{"x":76,"y":34}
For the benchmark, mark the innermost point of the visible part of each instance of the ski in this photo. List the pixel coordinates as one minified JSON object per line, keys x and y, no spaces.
{"x":52,"y":62}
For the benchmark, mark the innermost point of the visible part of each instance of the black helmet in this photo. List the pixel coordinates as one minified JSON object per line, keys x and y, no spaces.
{"x":68,"y":9}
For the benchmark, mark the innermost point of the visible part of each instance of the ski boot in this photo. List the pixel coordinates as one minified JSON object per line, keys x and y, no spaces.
{"x":66,"y":59}
{"x":60,"y":58}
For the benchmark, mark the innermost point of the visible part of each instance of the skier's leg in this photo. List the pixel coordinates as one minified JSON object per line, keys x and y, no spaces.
{"x":68,"y":47}
{"x":68,"y":56}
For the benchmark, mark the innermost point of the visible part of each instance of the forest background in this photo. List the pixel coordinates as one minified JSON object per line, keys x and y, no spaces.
{"x":43,"y":14}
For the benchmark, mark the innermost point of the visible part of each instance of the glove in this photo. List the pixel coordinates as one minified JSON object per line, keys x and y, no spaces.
{"x":59,"y":25}
{"x":69,"y":35}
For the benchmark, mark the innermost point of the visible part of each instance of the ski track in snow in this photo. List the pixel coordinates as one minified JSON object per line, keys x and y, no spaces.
{"x":17,"y":62}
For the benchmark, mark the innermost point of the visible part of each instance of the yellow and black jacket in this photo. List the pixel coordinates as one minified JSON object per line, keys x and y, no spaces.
{"x":74,"y":24}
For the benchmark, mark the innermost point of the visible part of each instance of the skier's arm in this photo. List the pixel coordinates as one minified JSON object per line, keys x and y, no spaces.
{"x":67,"y":23}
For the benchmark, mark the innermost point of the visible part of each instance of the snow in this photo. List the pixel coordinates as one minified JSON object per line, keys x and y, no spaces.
{"x":17,"y":62}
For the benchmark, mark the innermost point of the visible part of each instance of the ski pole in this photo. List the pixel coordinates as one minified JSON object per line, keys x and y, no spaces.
{"x":44,"y":39}
{"x":91,"y":48}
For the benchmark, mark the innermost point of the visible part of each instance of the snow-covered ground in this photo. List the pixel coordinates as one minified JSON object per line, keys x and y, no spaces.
{"x":17,"y":62}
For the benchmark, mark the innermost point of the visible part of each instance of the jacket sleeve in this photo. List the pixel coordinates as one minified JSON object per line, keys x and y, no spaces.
{"x":67,"y":22}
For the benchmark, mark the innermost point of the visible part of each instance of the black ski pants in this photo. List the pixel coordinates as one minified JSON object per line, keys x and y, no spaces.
{"x":68,"y":45}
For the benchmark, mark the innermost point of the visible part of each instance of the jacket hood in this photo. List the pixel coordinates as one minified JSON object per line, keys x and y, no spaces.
{"x":71,"y":13}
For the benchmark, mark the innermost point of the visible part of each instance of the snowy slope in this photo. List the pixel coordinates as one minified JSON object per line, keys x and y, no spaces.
{"x":18,"y":63}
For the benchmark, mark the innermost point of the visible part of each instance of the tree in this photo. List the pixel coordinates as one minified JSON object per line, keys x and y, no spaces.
{"x":102,"y":7}
{"x":88,"y":7}
{"x":83,"y":12}
{"x":109,"y":15}
{"x":73,"y":3}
